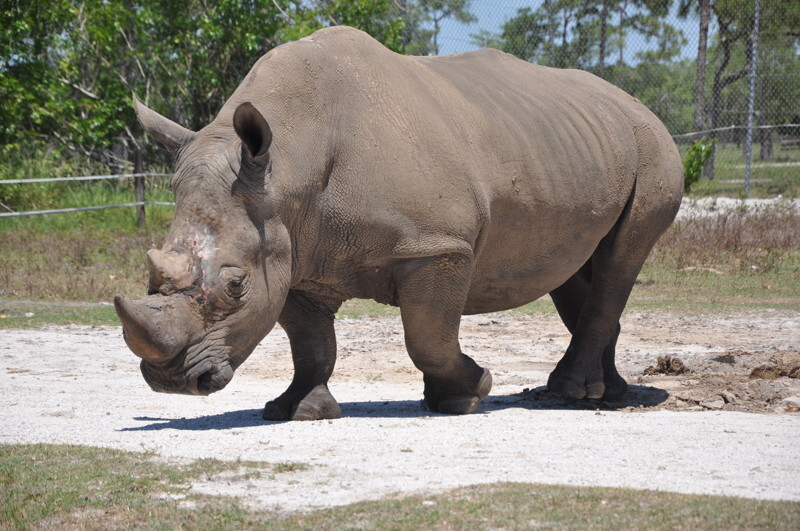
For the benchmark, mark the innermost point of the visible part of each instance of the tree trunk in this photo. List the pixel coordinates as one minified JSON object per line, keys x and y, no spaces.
{"x":551,"y":29}
{"x":727,"y":39}
{"x":766,"y":144}
{"x":601,"y":66}
{"x":700,"y":79}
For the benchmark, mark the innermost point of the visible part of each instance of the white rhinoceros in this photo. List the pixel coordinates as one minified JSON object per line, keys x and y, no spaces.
{"x":448,"y":185}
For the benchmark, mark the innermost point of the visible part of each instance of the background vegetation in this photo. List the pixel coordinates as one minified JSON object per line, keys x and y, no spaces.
{"x":68,"y":67}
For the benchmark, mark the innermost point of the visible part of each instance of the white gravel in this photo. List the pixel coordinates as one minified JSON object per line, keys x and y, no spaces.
{"x":705,"y":207}
{"x":80,"y":385}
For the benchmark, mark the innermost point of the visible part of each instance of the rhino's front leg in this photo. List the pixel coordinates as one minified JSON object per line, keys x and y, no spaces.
{"x":309,"y":325}
{"x":431,"y":293}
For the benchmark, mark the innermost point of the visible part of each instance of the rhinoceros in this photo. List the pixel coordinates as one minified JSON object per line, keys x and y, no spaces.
{"x":446,"y":186}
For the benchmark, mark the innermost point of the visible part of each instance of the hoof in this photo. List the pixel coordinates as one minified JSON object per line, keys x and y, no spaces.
{"x":571,"y":387}
{"x":318,"y":404}
{"x":463,"y":404}
{"x":616,"y":387}
{"x":458,"y":405}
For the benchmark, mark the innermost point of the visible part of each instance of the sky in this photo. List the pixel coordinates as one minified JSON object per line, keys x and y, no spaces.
{"x":455,"y":37}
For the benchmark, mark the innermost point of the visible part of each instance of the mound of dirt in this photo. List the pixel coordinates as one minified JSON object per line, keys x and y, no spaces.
{"x":735,"y":380}
{"x":667,"y":365}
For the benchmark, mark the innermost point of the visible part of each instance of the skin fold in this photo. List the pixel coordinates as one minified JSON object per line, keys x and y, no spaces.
{"x":446,"y":186}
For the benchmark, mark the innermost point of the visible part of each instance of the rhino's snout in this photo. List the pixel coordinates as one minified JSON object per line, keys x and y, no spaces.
{"x":207,"y":378}
{"x":155,"y":328}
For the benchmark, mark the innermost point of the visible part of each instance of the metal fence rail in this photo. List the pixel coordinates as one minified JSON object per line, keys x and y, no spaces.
{"x":81,"y":209}
{"x":87,"y":178}
{"x":140,"y":203}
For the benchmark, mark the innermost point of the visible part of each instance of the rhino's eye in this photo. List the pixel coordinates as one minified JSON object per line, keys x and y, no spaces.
{"x":234,"y":282}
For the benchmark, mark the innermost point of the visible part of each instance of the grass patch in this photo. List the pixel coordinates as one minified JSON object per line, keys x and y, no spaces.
{"x":91,"y":264}
{"x":83,"y":487}
{"x":722,"y":262}
{"x":33,"y":314}
{"x":527,"y":506}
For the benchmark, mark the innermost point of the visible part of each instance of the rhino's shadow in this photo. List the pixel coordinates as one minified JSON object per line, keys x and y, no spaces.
{"x":638,"y":396}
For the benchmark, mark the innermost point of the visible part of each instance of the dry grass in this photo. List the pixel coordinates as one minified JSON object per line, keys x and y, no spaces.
{"x":736,"y":241}
{"x":84,"y":265}
{"x":735,"y":255}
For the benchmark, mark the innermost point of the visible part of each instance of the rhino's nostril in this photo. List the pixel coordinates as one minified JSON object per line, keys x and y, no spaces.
{"x":206,"y":384}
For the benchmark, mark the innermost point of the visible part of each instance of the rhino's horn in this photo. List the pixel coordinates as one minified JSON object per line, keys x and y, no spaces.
{"x":167,"y":133}
{"x":154,"y":328}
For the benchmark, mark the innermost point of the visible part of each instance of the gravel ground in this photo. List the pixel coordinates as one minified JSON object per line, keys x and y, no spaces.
{"x":718,"y":429}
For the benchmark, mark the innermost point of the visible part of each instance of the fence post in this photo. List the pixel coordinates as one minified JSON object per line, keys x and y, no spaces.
{"x":748,"y":143}
{"x":138,"y":168}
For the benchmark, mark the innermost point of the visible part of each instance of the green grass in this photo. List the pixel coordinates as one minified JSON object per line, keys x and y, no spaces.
{"x":33,"y":314}
{"x":82,"y":487}
{"x":93,"y":193}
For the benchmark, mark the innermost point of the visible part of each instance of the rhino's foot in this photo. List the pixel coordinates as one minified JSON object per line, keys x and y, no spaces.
{"x":616,"y":386}
{"x":438,"y":400}
{"x":576,"y":382}
{"x":317,"y":404}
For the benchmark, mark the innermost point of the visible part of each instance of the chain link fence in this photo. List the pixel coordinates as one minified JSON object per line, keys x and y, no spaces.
{"x":690,"y":61}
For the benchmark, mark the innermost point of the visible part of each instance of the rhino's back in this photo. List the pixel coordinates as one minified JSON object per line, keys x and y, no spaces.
{"x":524,"y":167}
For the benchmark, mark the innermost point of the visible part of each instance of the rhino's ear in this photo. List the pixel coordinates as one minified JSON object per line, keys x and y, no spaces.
{"x":167,"y":133}
{"x":254,"y":132}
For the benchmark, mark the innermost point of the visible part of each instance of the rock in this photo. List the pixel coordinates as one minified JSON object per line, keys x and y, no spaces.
{"x":729,"y":397}
{"x":713,"y":403}
{"x":788,"y":405}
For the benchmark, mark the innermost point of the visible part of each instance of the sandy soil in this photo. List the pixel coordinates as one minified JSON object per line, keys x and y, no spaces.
{"x":720,"y":427}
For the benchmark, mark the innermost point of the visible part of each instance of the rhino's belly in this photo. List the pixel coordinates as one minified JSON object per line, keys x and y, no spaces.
{"x":509,"y":288}
{"x":515,"y":267}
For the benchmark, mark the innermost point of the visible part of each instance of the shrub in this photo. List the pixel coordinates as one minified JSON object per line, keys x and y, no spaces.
{"x":695,"y":160}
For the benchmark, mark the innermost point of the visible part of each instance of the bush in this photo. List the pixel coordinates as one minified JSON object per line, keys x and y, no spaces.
{"x":695,"y":161}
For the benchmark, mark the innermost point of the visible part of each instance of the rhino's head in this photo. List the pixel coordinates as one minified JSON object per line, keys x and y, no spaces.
{"x":217,"y":286}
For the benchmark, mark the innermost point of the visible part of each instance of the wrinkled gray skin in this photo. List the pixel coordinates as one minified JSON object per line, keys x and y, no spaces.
{"x":444,"y":185}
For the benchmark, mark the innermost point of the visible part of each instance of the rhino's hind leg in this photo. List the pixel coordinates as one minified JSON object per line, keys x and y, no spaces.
{"x":612,"y":271}
{"x":569,"y":299}
{"x":431,"y":293}
{"x":309,"y":325}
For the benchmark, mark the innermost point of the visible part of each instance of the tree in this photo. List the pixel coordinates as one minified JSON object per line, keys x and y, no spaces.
{"x":68,"y":67}
{"x":438,"y":10}
{"x":522,"y":35}
{"x":30,"y":34}
{"x":704,"y":9}
{"x":586,"y":28}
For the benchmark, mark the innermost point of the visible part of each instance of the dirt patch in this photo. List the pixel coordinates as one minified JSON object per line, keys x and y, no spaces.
{"x":734,"y":380}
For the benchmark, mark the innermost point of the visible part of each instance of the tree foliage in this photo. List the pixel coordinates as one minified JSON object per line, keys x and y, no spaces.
{"x":68,"y":67}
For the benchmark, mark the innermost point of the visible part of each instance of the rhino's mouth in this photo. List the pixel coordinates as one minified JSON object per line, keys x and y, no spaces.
{"x":208,"y":375}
